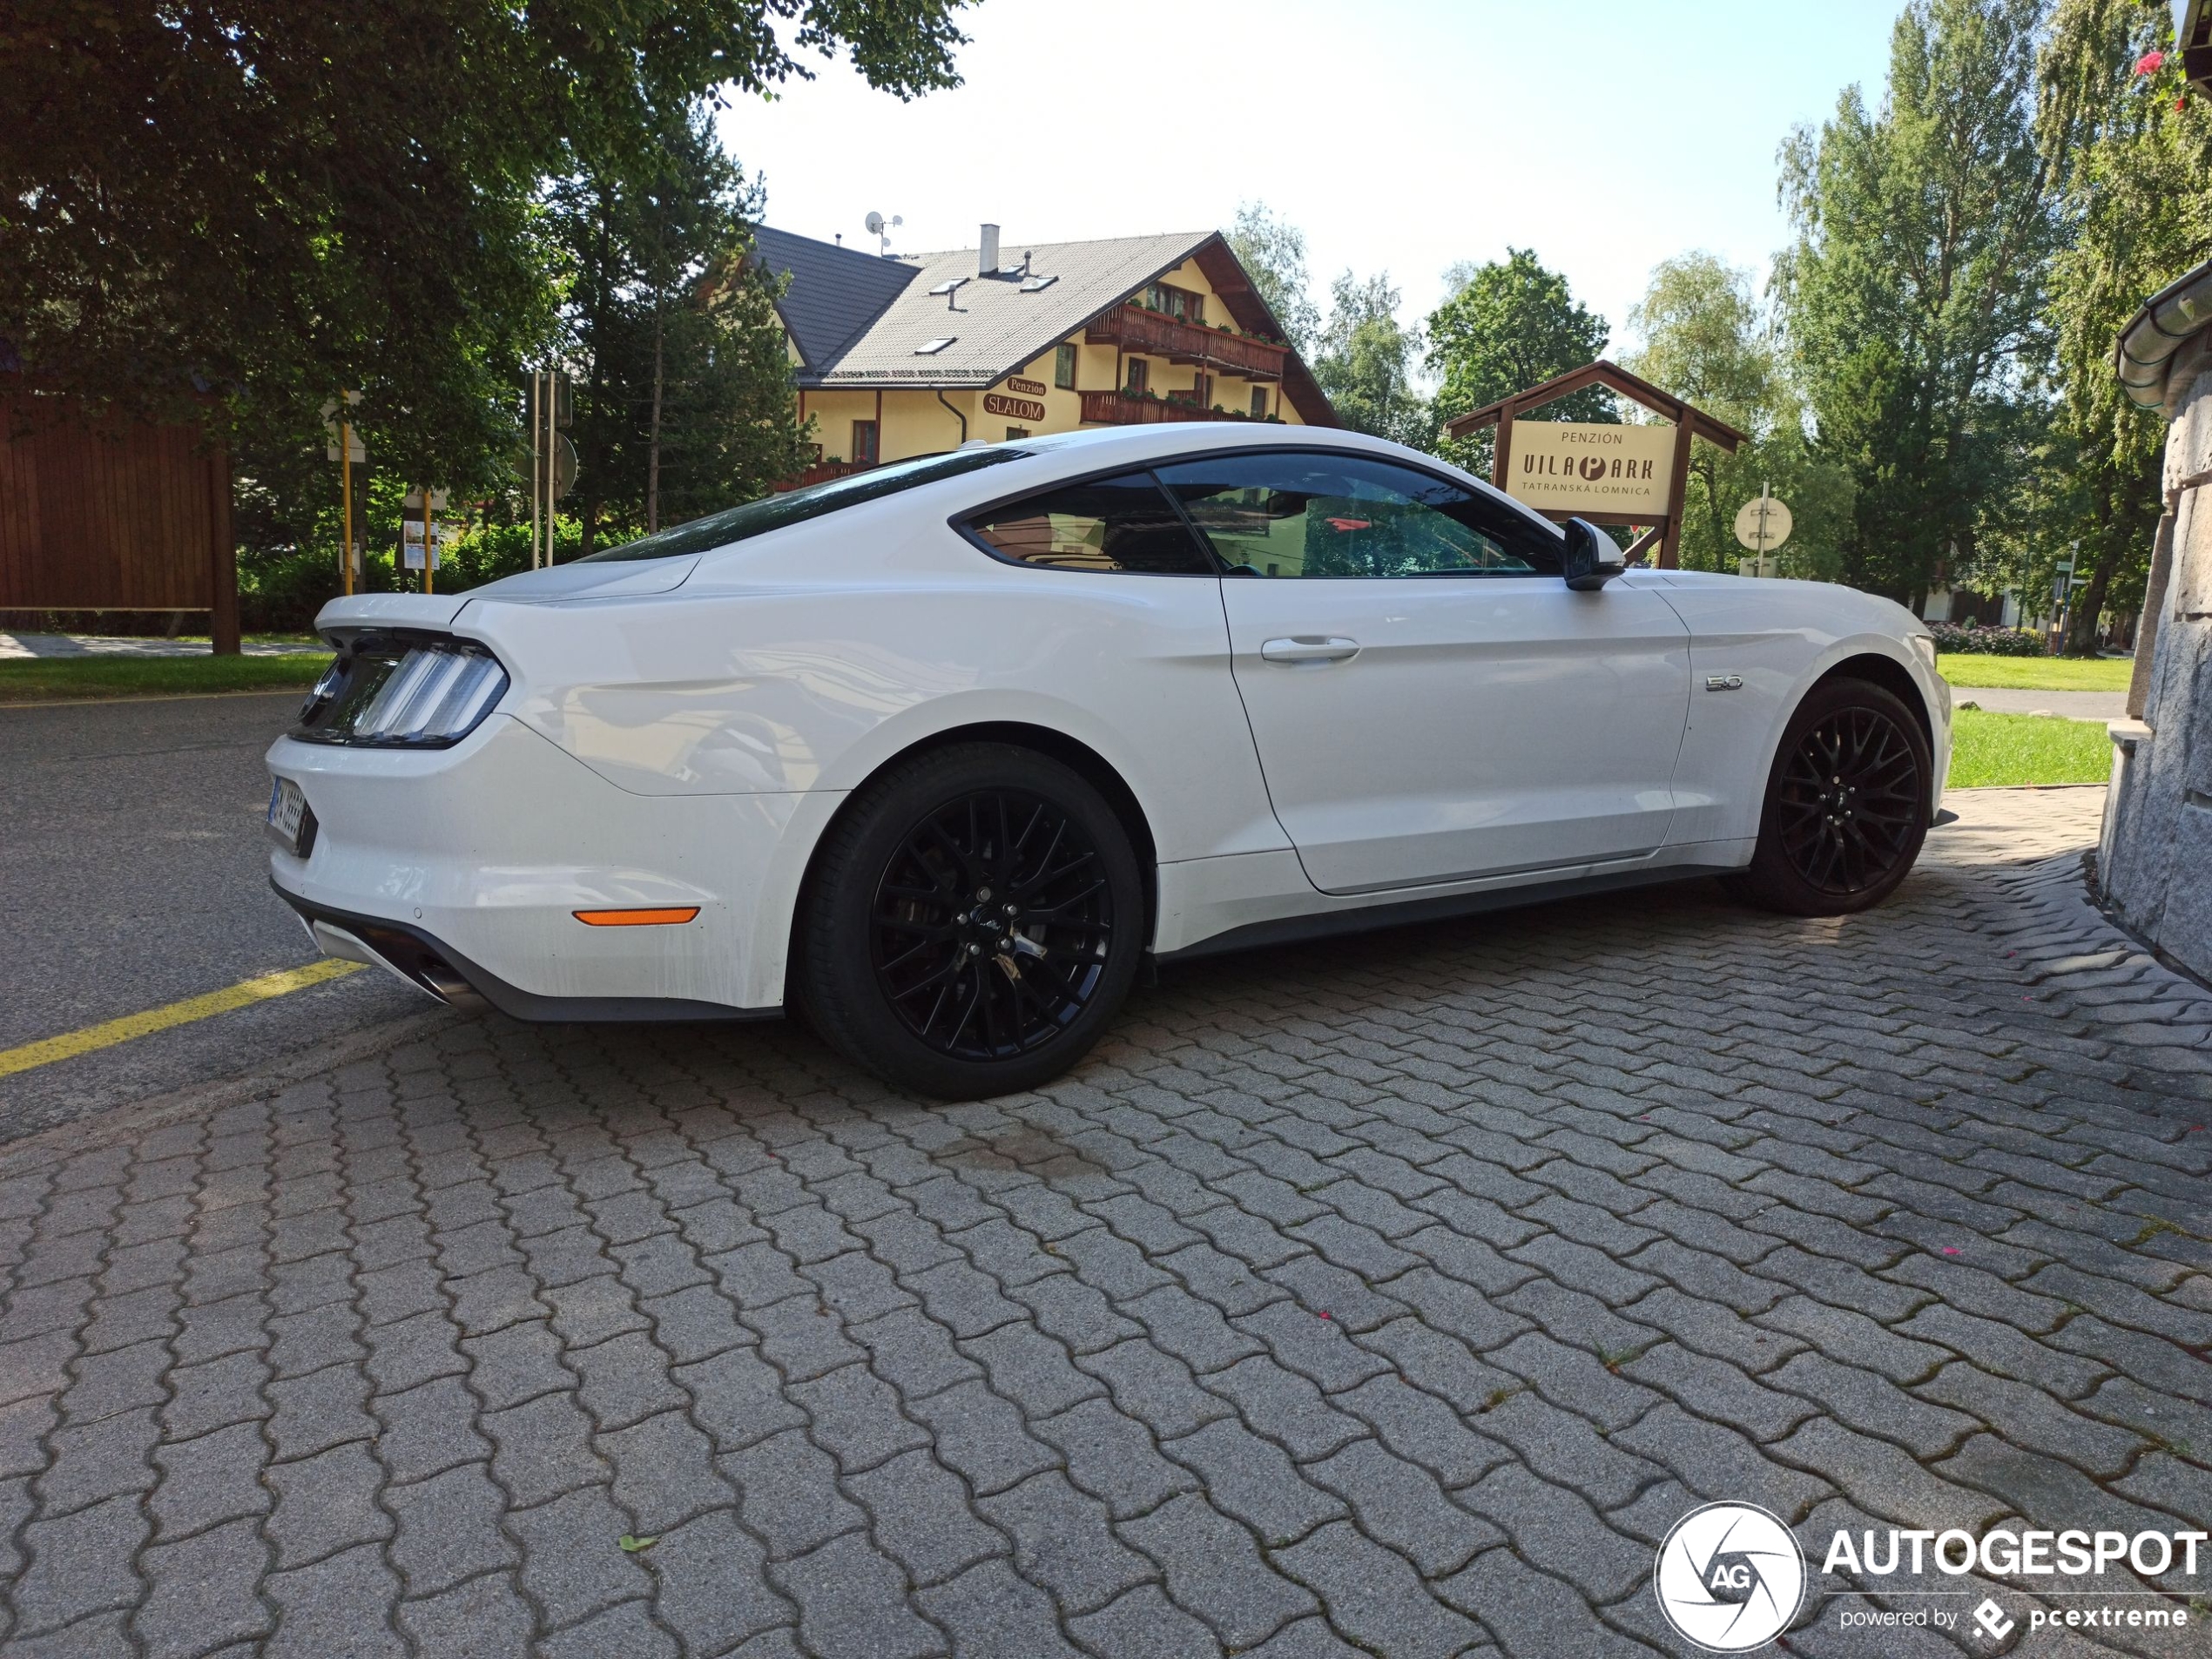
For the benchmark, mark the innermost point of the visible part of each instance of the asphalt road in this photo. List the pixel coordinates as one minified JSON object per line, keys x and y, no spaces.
{"x":134,"y":875}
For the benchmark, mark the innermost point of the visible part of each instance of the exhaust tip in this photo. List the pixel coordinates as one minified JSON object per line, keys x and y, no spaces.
{"x":404,"y":957}
{"x":438,"y":978}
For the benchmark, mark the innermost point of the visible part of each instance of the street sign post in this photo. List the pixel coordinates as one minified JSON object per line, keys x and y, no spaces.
{"x":549,"y":407}
{"x":420,"y":535}
{"x":344,"y":447}
{"x":1762,"y":525}
{"x":2063,"y":595}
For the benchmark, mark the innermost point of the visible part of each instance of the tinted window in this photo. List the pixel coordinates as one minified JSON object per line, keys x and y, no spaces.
{"x":796,"y":506}
{"x":1122,"y":524}
{"x":1344,"y":516}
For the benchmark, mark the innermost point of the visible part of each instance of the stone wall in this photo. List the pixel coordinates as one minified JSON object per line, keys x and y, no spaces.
{"x":2155,"y":861}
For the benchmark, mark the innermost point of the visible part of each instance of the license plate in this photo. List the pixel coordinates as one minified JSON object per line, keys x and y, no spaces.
{"x":288,"y":813}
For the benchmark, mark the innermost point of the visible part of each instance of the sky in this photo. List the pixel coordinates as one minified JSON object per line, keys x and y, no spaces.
{"x":1398,"y":135}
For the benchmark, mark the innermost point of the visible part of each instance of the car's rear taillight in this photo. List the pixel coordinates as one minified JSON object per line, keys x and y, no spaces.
{"x":403,"y":691}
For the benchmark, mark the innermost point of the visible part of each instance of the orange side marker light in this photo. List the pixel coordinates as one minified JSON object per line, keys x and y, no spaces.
{"x":666,"y":916}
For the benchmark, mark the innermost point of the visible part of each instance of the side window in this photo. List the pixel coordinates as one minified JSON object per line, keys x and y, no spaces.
{"x":1345,"y":515}
{"x":1122,"y":524}
{"x":1063,"y":368}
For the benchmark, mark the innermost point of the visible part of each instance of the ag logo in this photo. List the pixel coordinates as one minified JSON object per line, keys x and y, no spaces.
{"x":1731,"y":1577}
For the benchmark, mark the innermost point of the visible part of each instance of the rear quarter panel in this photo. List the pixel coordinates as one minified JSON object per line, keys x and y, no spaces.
{"x":806,"y":661}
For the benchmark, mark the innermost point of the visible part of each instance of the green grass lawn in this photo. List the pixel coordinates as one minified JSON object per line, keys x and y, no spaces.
{"x":61,"y":679}
{"x":1995,"y":750}
{"x":2037,"y":673}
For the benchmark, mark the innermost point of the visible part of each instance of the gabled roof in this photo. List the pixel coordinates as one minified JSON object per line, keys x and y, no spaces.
{"x":1610,"y":374}
{"x":833,"y":291}
{"x":994,"y":327}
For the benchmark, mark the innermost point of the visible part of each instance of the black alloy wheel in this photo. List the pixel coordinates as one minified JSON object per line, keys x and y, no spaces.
{"x":991,"y":923}
{"x":971,"y":923}
{"x":1847,"y":803}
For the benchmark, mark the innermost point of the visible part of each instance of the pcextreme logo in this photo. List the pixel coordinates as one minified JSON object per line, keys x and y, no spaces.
{"x":1731,"y":1577}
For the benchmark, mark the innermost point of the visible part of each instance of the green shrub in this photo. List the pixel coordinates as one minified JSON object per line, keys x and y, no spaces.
{"x":1986,"y":642}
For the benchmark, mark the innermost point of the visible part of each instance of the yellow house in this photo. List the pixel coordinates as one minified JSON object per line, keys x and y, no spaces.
{"x":908,"y":355}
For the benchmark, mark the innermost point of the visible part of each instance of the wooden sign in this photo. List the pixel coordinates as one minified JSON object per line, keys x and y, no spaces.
{"x":1015,"y":383}
{"x":1604,"y":496}
{"x":1581,"y":467}
{"x":1015,"y":409}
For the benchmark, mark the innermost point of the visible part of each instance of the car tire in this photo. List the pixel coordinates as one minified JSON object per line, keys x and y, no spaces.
{"x":1846,"y":806}
{"x":972,"y":922}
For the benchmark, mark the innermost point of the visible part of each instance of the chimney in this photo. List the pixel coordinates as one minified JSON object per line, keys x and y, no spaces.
{"x":986,"y":259}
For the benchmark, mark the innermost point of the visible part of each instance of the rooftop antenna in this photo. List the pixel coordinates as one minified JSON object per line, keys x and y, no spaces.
{"x":879,"y":227}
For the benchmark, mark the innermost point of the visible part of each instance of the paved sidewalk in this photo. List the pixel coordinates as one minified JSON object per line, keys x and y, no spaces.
{"x":1393,"y":1296}
{"x":2070,"y":706}
{"x":19,"y":646}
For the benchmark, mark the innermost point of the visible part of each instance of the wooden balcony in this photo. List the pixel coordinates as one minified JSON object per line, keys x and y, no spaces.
{"x":820,"y":473}
{"x":1113,"y":408}
{"x":1134,"y":328}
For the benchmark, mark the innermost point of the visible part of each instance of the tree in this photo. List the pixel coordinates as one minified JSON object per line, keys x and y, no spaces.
{"x":1706,"y":338}
{"x":2132,"y":162}
{"x":258,"y":202}
{"x":1272,"y":252}
{"x":1507,"y":327}
{"x":1363,"y":360}
{"x":683,"y":398}
{"x":1911,"y":302}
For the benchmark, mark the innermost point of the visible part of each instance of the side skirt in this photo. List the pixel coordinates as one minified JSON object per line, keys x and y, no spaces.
{"x":1329,"y":923}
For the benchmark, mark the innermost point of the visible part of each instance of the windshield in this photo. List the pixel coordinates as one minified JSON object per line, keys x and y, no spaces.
{"x":796,"y":506}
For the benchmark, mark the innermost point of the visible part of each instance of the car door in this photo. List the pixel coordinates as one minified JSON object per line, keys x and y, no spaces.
{"x":1430,"y":702}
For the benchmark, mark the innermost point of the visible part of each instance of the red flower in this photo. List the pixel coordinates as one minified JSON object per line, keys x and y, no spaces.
{"x":2149,"y":63}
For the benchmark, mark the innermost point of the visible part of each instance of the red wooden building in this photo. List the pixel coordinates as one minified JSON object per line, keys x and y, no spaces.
{"x":100,"y":516}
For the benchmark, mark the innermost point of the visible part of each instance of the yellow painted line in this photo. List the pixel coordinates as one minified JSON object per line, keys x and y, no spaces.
{"x":106,"y":1035}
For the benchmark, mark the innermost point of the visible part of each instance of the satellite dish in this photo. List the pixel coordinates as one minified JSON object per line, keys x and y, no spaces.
{"x":875,"y":224}
{"x":881,"y":229}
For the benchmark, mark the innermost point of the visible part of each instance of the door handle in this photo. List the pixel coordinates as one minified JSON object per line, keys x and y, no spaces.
{"x":1309,"y":648}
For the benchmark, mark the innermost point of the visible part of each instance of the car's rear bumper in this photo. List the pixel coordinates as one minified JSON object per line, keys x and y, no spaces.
{"x":432,"y":966}
{"x":477,"y":857}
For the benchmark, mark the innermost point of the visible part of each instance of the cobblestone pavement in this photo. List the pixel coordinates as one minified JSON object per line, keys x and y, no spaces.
{"x":1391,"y":1296}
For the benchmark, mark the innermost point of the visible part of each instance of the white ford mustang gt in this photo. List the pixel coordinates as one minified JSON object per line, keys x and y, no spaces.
{"x":939,"y":752}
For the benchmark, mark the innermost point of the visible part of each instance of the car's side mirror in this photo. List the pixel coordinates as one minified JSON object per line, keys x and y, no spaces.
{"x":1593,"y":558}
